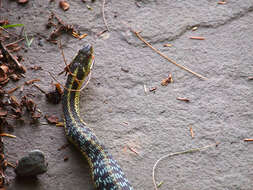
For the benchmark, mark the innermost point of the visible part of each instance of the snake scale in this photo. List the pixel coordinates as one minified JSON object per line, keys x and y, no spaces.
{"x":106,"y":173}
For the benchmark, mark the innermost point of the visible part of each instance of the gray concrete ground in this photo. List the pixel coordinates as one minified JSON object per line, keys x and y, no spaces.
{"x":116,"y":107}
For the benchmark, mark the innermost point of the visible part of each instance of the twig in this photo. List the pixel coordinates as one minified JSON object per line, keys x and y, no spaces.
{"x":103,"y":13}
{"x":6,"y":51}
{"x":12,"y":90}
{"x":31,"y":81}
{"x":7,"y":135}
{"x":197,"y":38}
{"x":12,"y":43}
{"x":133,"y":150}
{"x":62,"y":53}
{"x":64,"y":59}
{"x":9,"y":32}
{"x":177,"y":153}
{"x":247,"y":140}
{"x":191,"y":131}
{"x":66,"y":69}
{"x":11,"y":165}
{"x":164,"y":56}
{"x":39,"y":88}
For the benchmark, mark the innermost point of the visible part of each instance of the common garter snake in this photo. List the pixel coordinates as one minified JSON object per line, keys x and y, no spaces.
{"x":106,"y":173}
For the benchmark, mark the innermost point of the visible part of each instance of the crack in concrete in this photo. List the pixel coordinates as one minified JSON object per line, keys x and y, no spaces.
{"x":186,"y":28}
{"x":209,"y":25}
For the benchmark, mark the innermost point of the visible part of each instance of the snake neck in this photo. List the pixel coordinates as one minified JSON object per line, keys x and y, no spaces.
{"x":106,"y":173}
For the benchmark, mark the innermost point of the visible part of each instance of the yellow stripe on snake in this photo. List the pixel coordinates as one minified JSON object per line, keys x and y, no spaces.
{"x":106,"y":173}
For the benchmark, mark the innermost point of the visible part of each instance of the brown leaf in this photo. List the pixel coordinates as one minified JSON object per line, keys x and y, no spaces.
{"x":167,"y":80}
{"x":36,"y":115}
{"x":14,"y":102}
{"x":4,"y":22}
{"x":4,"y":68}
{"x":52,"y":119}
{"x":64,"y":5}
{"x":32,"y":81}
{"x":2,"y":92}
{"x":22,"y":1}
{"x":3,"y":112}
{"x":4,"y":81}
{"x":15,"y":77}
{"x":58,"y":88}
{"x":12,"y":90}
{"x":17,"y":112}
{"x":30,"y":105}
{"x":3,"y":73}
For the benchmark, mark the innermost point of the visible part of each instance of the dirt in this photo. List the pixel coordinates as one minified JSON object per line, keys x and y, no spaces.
{"x":122,"y":114}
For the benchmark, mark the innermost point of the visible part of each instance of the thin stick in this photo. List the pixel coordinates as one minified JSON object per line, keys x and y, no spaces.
{"x":177,"y":153}
{"x":103,"y":13}
{"x":9,"y":32}
{"x":248,"y":139}
{"x":197,"y":38}
{"x":11,"y":165}
{"x":164,"y":56}
{"x":6,"y":51}
{"x":12,"y":43}
{"x":12,"y":90}
{"x":62,"y":53}
{"x":192,"y":133}
{"x":7,"y":135}
{"x":67,"y":69}
{"x":43,"y":91}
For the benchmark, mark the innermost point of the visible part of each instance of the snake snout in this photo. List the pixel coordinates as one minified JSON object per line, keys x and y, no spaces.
{"x":87,"y":49}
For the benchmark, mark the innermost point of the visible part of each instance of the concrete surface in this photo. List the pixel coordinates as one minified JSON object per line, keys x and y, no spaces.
{"x":121,"y":114}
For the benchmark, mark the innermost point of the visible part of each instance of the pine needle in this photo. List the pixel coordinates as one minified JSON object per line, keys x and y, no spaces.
{"x":164,"y":56}
{"x":177,"y":153}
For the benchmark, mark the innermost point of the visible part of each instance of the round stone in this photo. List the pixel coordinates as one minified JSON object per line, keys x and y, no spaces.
{"x":32,"y":164}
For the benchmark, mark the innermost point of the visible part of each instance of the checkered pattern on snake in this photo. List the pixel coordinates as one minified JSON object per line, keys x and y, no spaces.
{"x":106,"y":173}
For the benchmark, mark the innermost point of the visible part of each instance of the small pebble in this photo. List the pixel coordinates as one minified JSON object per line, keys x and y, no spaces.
{"x":32,"y":164}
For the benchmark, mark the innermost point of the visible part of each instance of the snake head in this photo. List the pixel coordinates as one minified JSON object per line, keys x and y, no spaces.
{"x":83,"y":62}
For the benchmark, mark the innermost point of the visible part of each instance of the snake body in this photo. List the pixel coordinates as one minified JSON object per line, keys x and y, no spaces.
{"x":106,"y":173}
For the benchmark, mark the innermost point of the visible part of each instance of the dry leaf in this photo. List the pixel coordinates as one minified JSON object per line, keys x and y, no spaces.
{"x":3,"y":112}
{"x":64,"y":5}
{"x":32,"y":81}
{"x":22,"y":1}
{"x":167,"y":80}
{"x":52,"y":119}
